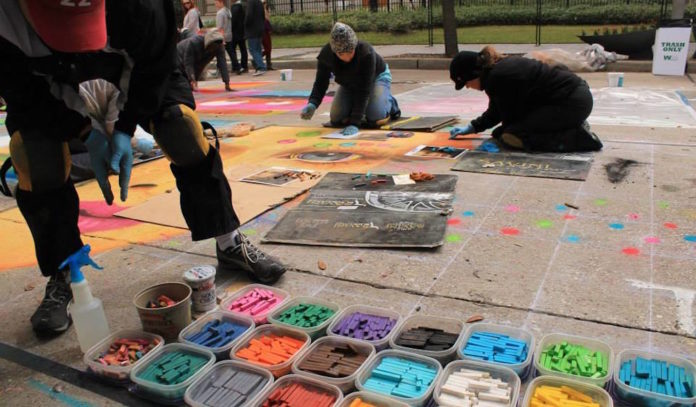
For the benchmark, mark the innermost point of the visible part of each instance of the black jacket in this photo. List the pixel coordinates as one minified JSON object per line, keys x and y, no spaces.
{"x":144,"y":29}
{"x":238,"y":16}
{"x":254,"y":19}
{"x":193,"y":58}
{"x":358,"y":76}
{"x":517,"y":85}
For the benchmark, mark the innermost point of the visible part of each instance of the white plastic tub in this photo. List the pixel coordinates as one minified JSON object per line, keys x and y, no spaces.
{"x":280,"y":369}
{"x":589,"y":343}
{"x":643,"y":398}
{"x":118,"y":373}
{"x":221,"y":352}
{"x":497,"y":371}
{"x":448,"y":325}
{"x":346,"y":384}
{"x":599,"y":395}
{"x":200,"y":385}
{"x":517,"y":333}
{"x":365,"y":309}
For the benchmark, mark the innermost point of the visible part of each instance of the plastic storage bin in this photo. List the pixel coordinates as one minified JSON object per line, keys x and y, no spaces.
{"x":346,"y":384}
{"x":375,"y":361}
{"x":643,"y":398}
{"x":314,"y":332}
{"x":522,"y":369}
{"x":261,"y":318}
{"x":372,"y":398}
{"x":589,"y":343}
{"x":599,"y":395}
{"x":221,"y":352}
{"x":118,"y":374}
{"x":308,"y":381}
{"x":366,"y":309}
{"x":201,"y":384}
{"x":280,"y":369}
{"x":172,"y":392}
{"x":497,"y":371}
{"x":449,"y":325}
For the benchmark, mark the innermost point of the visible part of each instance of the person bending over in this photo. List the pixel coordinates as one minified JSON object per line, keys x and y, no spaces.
{"x":195,"y":53}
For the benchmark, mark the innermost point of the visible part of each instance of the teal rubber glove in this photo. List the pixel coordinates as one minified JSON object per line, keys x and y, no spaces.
{"x":122,"y":160}
{"x":308,"y":111}
{"x":99,"y":155}
{"x":350,"y":130}
{"x":144,"y":145}
{"x":461,"y":131}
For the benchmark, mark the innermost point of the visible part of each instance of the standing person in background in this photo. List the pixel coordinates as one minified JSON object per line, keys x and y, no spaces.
{"x":192,"y":19}
{"x":267,"y":30}
{"x":238,"y":39}
{"x":223,"y":22}
{"x":254,"y":22}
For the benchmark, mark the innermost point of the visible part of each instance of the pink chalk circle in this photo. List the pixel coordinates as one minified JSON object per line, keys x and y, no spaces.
{"x":633,"y":216}
{"x":287,"y":141}
{"x":512,"y":208}
{"x":652,"y":239}
{"x":510,"y":231}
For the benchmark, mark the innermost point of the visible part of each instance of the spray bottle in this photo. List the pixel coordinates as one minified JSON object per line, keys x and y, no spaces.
{"x":86,"y":311}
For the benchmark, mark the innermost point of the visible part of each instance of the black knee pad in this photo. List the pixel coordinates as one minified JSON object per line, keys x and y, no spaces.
{"x":41,"y":163}
{"x":179,"y":133}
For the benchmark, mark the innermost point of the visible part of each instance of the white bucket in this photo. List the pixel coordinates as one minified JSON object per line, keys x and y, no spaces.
{"x":286,"y":74}
{"x":201,"y":279}
{"x":615,"y":79}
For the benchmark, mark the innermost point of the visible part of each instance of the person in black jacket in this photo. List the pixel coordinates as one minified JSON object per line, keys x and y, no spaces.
{"x":238,"y":16}
{"x":542,"y":108}
{"x":47,"y":50}
{"x":364,"y":79}
{"x":195,"y":53}
{"x":254,"y":23}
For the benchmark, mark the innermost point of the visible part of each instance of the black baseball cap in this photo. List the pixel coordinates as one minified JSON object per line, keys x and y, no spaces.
{"x":464,"y":68}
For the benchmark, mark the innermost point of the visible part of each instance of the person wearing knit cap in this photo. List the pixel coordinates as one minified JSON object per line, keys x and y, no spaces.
{"x":541,"y":108}
{"x":195,"y":53}
{"x":364,"y":83}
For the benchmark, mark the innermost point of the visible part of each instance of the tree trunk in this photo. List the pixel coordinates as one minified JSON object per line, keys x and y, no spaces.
{"x":449,"y":25}
{"x":678,"y":8}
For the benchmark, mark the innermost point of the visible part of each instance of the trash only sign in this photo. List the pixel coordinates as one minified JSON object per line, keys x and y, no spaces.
{"x":671,"y":50}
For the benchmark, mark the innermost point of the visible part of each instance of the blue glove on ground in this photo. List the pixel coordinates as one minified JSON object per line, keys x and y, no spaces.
{"x":308,"y":111}
{"x":99,"y":155}
{"x":461,"y":131}
{"x":144,"y":145}
{"x":122,"y":160}
{"x":350,"y":130}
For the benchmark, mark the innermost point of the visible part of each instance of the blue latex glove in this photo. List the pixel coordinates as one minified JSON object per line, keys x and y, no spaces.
{"x":350,"y":130}
{"x":144,"y":145}
{"x":457,"y":131}
{"x":489,"y":147}
{"x":308,"y":111}
{"x":99,"y":155}
{"x":122,"y":160}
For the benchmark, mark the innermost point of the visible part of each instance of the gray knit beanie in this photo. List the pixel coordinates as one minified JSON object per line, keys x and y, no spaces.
{"x":343,"y":39}
{"x":211,"y":37}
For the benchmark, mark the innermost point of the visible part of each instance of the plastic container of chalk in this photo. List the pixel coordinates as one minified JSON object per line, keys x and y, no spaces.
{"x":642,"y":398}
{"x":346,"y":384}
{"x":427,"y":321}
{"x":200,"y":385}
{"x":313,"y":332}
{"x":118,"y":374}
{"x":289,"y":380}
{"x":497,"y":371}
{"x":174,"y":392}
{"x":377,"y":359}
{"x":280,"y":369}
{"x":366,"y":309}
{"x":598,"y":394}
{"x":372,"y":398}
{"x":522,"y":369}
{"x":261,"y":318}
{"x":589,"y":343}
{"x":221,"y":352}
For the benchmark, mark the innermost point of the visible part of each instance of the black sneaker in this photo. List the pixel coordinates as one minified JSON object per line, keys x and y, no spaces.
{"x":52,"y":318}
{"x":245,"y":256}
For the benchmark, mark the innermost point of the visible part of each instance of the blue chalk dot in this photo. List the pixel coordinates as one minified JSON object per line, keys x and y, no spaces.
{"x":616,"y":226}
{"x":690,"y":238}
{"x":468,"y":213}
{"x":573,"y":239}
{"x":561,"y":208}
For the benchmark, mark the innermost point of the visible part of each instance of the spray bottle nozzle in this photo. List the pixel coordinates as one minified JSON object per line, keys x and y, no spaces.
{"x":78,"y":259}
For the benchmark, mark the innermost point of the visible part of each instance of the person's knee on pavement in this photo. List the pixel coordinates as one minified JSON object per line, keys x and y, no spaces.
{"x":40,"y":175}
{"x":179,"y":133}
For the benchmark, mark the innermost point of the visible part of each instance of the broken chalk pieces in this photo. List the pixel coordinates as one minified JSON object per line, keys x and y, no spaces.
{"x":305,"y":315}
{"x":575,"y":360}
{"x":229,"y":386}
{"x":217,"y":333}
{"x":364,"y":326}
{"x":657,"y":376}
{"x":256,"y":302}
{"x":466,"y":387}
{"x":334,"y":361}
{"x":425,"y":338}
{"x":269,"y":349}
{"x":401,"y":377}
{"x":170,"y":368}
{"x":495,"y":347}
{"x":298,"y":393}
{"x":562,"y":396}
